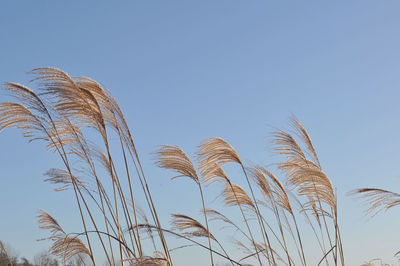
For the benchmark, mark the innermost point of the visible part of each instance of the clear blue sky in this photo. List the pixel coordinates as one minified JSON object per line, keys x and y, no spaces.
{"x":183,"y":71}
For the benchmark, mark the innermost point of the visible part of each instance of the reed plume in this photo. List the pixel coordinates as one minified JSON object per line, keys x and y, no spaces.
{"x":183,"y":223}
{"x":174,"y":158}
{"x":64,"y":246}
{"x":64,"y":106}
{"x":219,"y":175}
{"x":307,"y":177}
{"x":216,"y":152}
{"x":378,"y":199}
{"x":64,"y":110}
{"x":236,"y":195}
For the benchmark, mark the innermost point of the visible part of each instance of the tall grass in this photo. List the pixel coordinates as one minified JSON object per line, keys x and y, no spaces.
{"x":64,"y":112}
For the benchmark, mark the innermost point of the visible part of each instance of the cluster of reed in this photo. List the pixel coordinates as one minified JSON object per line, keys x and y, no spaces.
{"x":310,"y":194}
{"x":63,"y":112}
{"x":72,"y":113}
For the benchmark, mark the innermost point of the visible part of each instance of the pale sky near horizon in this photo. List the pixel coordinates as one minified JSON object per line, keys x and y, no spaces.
{"x":183,"y":71}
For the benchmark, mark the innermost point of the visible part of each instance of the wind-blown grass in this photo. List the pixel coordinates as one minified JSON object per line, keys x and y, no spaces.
{"x":61,"y":112}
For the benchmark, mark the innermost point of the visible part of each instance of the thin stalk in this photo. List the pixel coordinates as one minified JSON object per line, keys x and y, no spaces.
{"x":93,"y":221}
{"x":247,"y":225}
{"x":261,"y":250}
{"x":298,"y":236}
{"x":137,"y":238}
{"x":147,"y":194}
{"x":226,"y":254}
{"x":251,"y":240}
{"x":338,"y":238}
{"x":325,"y":255}
{"x":191,"y":240}
{"x":205,"y":217}
{"x":131,"y":192}
{"x":289,"y":228}
{"x":276,"y":237}
{"x":146,"y":190}
{"x":276,"y":211}
{"x":126,"y":211}
{"x":83,"y":220}
{"x":265,"y":235}
{"x":160,"y":231}
{"x":341,"y":247}
{"x":326,"y":225}
{"x":115,"y":196}
{"x":106,"y":223}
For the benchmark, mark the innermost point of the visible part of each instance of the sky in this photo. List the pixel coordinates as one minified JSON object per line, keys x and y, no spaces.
{"x":183,"y":71}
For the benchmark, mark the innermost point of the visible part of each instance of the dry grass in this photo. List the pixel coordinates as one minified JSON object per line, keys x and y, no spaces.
{"x":61,"y":112}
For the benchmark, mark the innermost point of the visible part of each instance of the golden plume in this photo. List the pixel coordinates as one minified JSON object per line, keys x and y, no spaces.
{"x":378,"y":199}
{"x":174,"y":158}
{"x":214,"y":153}
{"x":183,"y":222}
{"x":235,"y":195}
